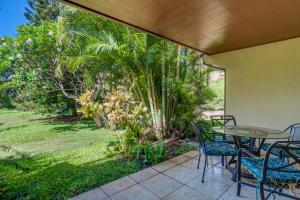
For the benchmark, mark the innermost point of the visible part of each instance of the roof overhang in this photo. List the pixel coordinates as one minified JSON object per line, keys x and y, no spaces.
{"x":210,"y":26}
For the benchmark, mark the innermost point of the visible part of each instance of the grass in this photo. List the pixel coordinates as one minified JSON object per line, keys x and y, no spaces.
{"x":54,"y":160}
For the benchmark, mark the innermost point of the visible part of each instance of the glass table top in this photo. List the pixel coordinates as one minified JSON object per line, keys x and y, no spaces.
{"x":252,"y":131}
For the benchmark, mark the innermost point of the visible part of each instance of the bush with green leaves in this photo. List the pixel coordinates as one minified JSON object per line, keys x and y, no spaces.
{"x":7,"y":67}
{"x":154,"y":153}
{"x":149,"y":153}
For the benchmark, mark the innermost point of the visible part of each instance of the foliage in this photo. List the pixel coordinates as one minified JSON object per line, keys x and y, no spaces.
{"x":205,"y":125}
{"x":71,"y":153}
{"x":41,"y":74}
{"x":6,"y":93}
{"x":89,"y":108}
{"x":7,"y":65}
{"x":149,"y":153}
{"x":119,"y":110}
{"x":154,"y":154}
{"x":33,"y":76}
{"x":157,"y":72}
{"x":41,"y":10}
{"x":190,"y":94}
{"x":217,"y":88}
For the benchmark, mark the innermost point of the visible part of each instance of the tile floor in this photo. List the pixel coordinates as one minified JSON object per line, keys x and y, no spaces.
{"x":175,"y":179}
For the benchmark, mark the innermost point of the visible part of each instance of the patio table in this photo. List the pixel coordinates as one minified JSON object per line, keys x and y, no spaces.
{"x":253,"y":133}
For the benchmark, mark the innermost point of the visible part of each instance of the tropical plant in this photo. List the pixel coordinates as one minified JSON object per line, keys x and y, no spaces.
{"x":41,"y":10}
{"x":118,"y":110}
{"x":156,"y":71}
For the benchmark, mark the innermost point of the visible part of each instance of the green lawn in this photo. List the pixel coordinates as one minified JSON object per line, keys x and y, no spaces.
{"x":54,"y":160}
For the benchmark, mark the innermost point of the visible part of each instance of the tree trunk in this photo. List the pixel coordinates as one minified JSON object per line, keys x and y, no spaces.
{"x":152,"y":97}
{"x":164,"y":98}
{"x":72,"y":107}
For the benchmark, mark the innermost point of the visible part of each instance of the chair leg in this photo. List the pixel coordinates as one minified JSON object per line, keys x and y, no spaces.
{"x":199,"y":160}
{"x":261,"y":191}
{"x":222,"y":161}
{"x":238,"y":174}
{"x":205,"y":164}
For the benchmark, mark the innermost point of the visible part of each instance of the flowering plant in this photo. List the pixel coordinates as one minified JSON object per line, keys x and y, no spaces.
{"x":119,"y":110}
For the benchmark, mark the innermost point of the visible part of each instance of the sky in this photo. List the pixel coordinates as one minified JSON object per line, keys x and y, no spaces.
{"x":11,"y":15}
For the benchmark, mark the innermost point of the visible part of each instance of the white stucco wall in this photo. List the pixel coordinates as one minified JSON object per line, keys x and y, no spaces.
{"x":263,"y":83}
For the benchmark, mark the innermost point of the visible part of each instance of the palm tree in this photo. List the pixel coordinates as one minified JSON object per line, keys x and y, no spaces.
{"x":152,"y":68}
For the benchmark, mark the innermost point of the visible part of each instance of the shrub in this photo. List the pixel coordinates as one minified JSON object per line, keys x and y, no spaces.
{"x":6,"y":101}
{"x":119,"y":111}
{"x":149,"y":153}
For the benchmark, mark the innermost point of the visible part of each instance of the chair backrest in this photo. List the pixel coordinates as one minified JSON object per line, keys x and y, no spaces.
{"x":287,"y":148}
{"x":199,"y":134}
{"x":294,"y":130}
{"x":222,"y":120}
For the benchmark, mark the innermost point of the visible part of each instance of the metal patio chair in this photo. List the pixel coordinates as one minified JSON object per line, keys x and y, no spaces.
{"x":210,"y":147}
{"x":226,"y":120}
{"x":272,"y":173}
{"x":294,"y":131}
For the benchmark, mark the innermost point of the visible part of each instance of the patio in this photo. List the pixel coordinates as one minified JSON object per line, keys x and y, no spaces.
{"x":176,"y":179}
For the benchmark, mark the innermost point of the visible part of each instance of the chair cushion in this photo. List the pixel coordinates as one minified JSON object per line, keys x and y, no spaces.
{"x":219,"y":149}
{"x":255,"y":165}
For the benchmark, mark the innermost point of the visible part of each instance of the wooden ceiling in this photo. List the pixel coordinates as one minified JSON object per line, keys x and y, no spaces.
{"x":210,"y":26}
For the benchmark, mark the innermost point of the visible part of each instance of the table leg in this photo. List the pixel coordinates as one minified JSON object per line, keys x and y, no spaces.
{"x":261,"y":144}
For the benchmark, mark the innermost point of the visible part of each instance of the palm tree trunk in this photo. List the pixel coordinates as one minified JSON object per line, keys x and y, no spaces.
{"x":163,"y":99}
{"x":137,"y":91}
{"x":153,"y":105}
